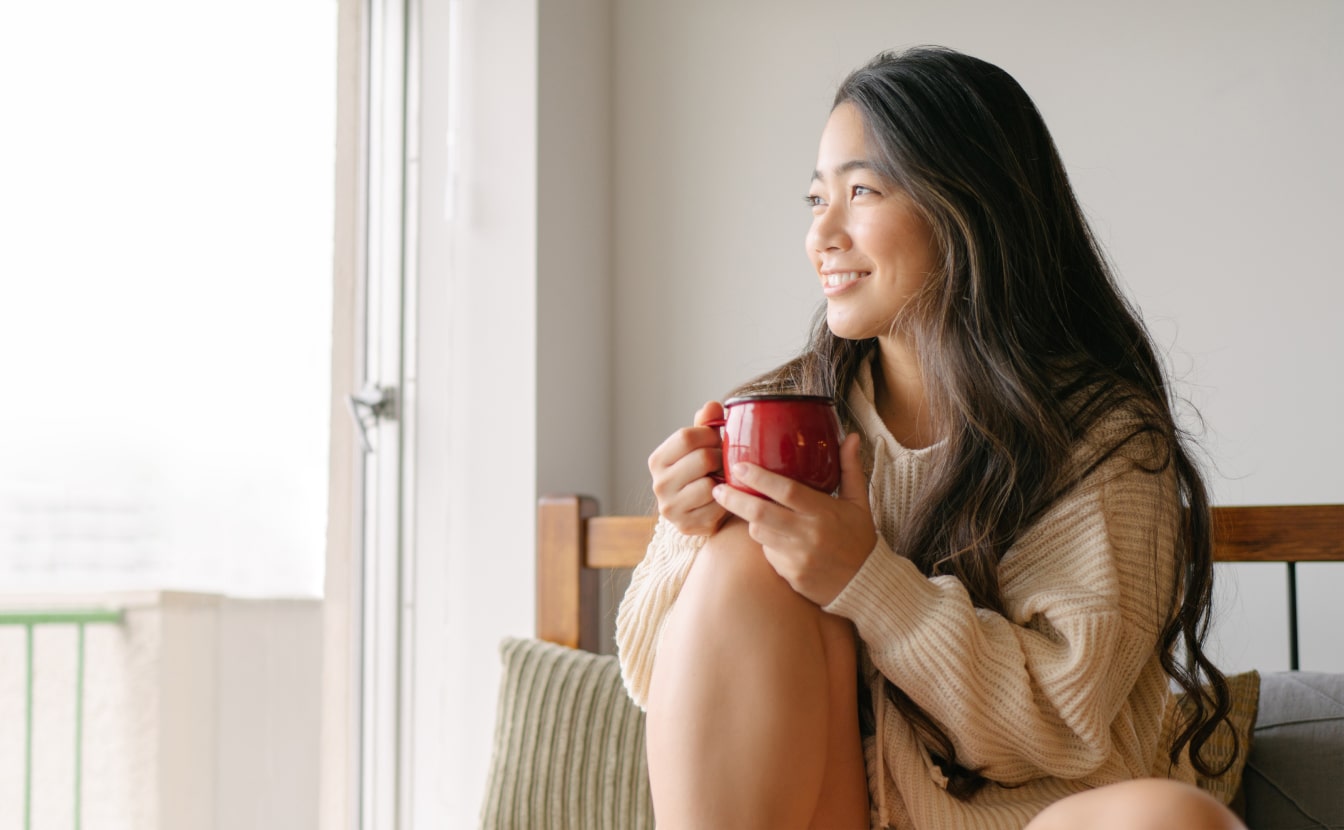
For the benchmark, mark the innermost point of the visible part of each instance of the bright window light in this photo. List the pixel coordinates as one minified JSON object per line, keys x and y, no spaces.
{"x":165,"y":294}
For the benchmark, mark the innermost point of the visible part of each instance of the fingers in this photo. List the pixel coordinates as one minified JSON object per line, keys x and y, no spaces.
{"x":792,"y":494}
{"x":679,"y":468}
{"x":695,"y":465}
{"x":853,"y":482}
{"x":757,"y":511}
{"x":712,"y":410}
{"x":684,"y":494}
{"x":681,"y":443}
{"x":814,"y":542}
{"x":689,"y":438}
{"x":701,"y":521}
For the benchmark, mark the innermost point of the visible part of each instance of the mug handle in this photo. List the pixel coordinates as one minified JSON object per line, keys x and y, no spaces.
{"x":719,"y":424}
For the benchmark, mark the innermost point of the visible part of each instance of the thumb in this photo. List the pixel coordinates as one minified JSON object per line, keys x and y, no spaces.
{"x":711,"y":411}
{"x":853,"y":483}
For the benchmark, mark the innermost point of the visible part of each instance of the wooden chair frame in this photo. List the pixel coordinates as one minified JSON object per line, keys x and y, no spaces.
{"x":575,"y":544}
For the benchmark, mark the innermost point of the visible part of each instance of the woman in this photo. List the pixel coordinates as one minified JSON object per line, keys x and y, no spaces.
{"x":1020,"y":540}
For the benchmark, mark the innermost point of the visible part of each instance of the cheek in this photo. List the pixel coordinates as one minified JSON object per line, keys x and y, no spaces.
{"x":874,"y":238}
{"x":922,"y":246}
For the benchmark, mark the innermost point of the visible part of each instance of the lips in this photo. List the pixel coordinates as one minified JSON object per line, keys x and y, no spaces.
{"x":832,"y":280}
{"x":836,"y":281}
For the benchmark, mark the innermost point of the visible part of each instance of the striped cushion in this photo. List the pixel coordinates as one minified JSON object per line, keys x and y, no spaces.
{"x":1245,"y":691}
{"x":569,"y":744}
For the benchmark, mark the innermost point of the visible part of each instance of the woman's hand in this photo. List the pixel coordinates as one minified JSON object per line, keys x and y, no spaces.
{"x":815,"y":542}
{"x":680,"y":468}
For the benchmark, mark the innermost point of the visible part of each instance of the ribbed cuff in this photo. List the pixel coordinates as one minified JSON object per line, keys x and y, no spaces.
{"x":884,"y":595}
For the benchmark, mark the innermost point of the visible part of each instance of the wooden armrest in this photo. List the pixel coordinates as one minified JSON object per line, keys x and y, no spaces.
{"x":573,"y":545}
{"x":618,"y":541}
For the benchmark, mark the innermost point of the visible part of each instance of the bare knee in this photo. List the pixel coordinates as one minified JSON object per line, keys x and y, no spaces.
{"x":1145,"y":804}
{"x":732,"y":552}
{"x":731,"y":575}
{"x":736,"y":622}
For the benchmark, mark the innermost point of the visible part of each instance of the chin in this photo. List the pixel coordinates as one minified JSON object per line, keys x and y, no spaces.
{"x":860,"y":326}
{"x":847,"y":329}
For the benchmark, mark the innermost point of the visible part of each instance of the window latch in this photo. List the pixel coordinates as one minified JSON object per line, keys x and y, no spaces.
{"x":368,"y":406}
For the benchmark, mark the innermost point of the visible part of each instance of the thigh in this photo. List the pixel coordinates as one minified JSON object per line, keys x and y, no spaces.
{"x":736,"y":731}
{"x":1144,"y":804}
{"x":844,"y":791}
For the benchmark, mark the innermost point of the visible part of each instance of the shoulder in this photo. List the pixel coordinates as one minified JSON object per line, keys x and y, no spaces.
{"x":1117,"y":433}
{"x":1121,"y":478}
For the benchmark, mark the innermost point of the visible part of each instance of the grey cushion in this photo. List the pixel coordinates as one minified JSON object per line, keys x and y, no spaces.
{"x":1294,"y":777}
{"x":569,"y":745}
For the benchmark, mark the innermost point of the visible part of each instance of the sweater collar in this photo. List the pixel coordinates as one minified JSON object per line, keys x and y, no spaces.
{"x":862,"y":400}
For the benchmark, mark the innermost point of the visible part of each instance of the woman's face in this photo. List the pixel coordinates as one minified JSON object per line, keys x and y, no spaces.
{"x":869,"y":244}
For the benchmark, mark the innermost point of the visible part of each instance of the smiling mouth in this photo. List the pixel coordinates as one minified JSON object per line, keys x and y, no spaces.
{"x":837,"y":280}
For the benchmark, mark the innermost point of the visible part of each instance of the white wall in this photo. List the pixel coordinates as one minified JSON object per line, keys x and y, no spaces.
{"x":513,"y":348}
{"x":485,"y":266}
{"x":1202,"y":138}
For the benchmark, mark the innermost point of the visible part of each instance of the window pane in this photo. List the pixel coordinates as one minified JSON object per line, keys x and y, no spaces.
{"x":165,"y":294}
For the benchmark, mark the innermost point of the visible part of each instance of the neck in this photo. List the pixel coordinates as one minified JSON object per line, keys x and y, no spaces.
{"x":902,"y":403}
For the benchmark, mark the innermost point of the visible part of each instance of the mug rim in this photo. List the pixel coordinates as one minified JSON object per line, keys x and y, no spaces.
{"x":778,"y":396}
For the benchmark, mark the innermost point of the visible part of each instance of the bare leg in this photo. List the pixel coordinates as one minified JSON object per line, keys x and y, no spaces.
{"x":844,"y":787}
{"x":1145,"y":804}
{"x":752,"y":713}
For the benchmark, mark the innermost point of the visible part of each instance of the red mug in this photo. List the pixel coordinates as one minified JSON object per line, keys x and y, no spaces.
{"x":794,"y":435}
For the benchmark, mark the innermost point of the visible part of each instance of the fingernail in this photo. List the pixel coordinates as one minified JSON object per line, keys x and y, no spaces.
{"x":740,"y":470}
{"x":718,"y":492}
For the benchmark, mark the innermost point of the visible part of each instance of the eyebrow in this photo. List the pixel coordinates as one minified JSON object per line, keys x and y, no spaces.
{"x":856,"y":164}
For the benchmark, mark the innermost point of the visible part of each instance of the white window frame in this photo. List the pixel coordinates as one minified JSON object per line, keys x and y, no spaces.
{"x":363,"y":686}
{"x":476,"y":371}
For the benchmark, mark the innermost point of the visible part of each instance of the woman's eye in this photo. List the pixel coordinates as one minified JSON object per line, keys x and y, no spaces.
{"x":813,"y":201}
{"x":860,"y":190}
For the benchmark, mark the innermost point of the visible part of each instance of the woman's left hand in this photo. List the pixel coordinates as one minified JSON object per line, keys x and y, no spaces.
{"x":815,"y":542}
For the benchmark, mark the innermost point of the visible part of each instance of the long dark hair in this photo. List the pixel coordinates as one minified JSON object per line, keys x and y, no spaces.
{"x":1032,"y":345}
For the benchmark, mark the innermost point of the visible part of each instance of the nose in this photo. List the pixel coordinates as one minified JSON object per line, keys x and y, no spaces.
{"x":828,"y":231}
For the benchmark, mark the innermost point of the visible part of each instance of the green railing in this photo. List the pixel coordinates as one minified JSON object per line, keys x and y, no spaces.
{"x":30,"y":621}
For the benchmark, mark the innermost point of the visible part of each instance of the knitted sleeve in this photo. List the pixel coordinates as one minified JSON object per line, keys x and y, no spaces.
{"x":654,"y":587}
{"x":1033,"y":692}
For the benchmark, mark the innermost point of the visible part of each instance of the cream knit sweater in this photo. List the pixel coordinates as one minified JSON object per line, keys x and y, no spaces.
{"x":1062,"y":694}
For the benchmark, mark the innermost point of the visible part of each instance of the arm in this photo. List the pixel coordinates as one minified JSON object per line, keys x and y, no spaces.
{"x":654,"y":587}
{"x":680,"y":469}
{"x":1034,"y":692}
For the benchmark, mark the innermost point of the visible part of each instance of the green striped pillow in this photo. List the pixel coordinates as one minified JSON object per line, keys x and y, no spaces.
{"x":569,"y":744}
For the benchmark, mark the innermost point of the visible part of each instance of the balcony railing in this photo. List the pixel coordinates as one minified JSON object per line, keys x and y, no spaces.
{"x":31,"y":621}
{"x":176,"y":710}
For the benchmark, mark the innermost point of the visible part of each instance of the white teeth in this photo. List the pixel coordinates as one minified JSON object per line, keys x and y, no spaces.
{"x":833,"y":280}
